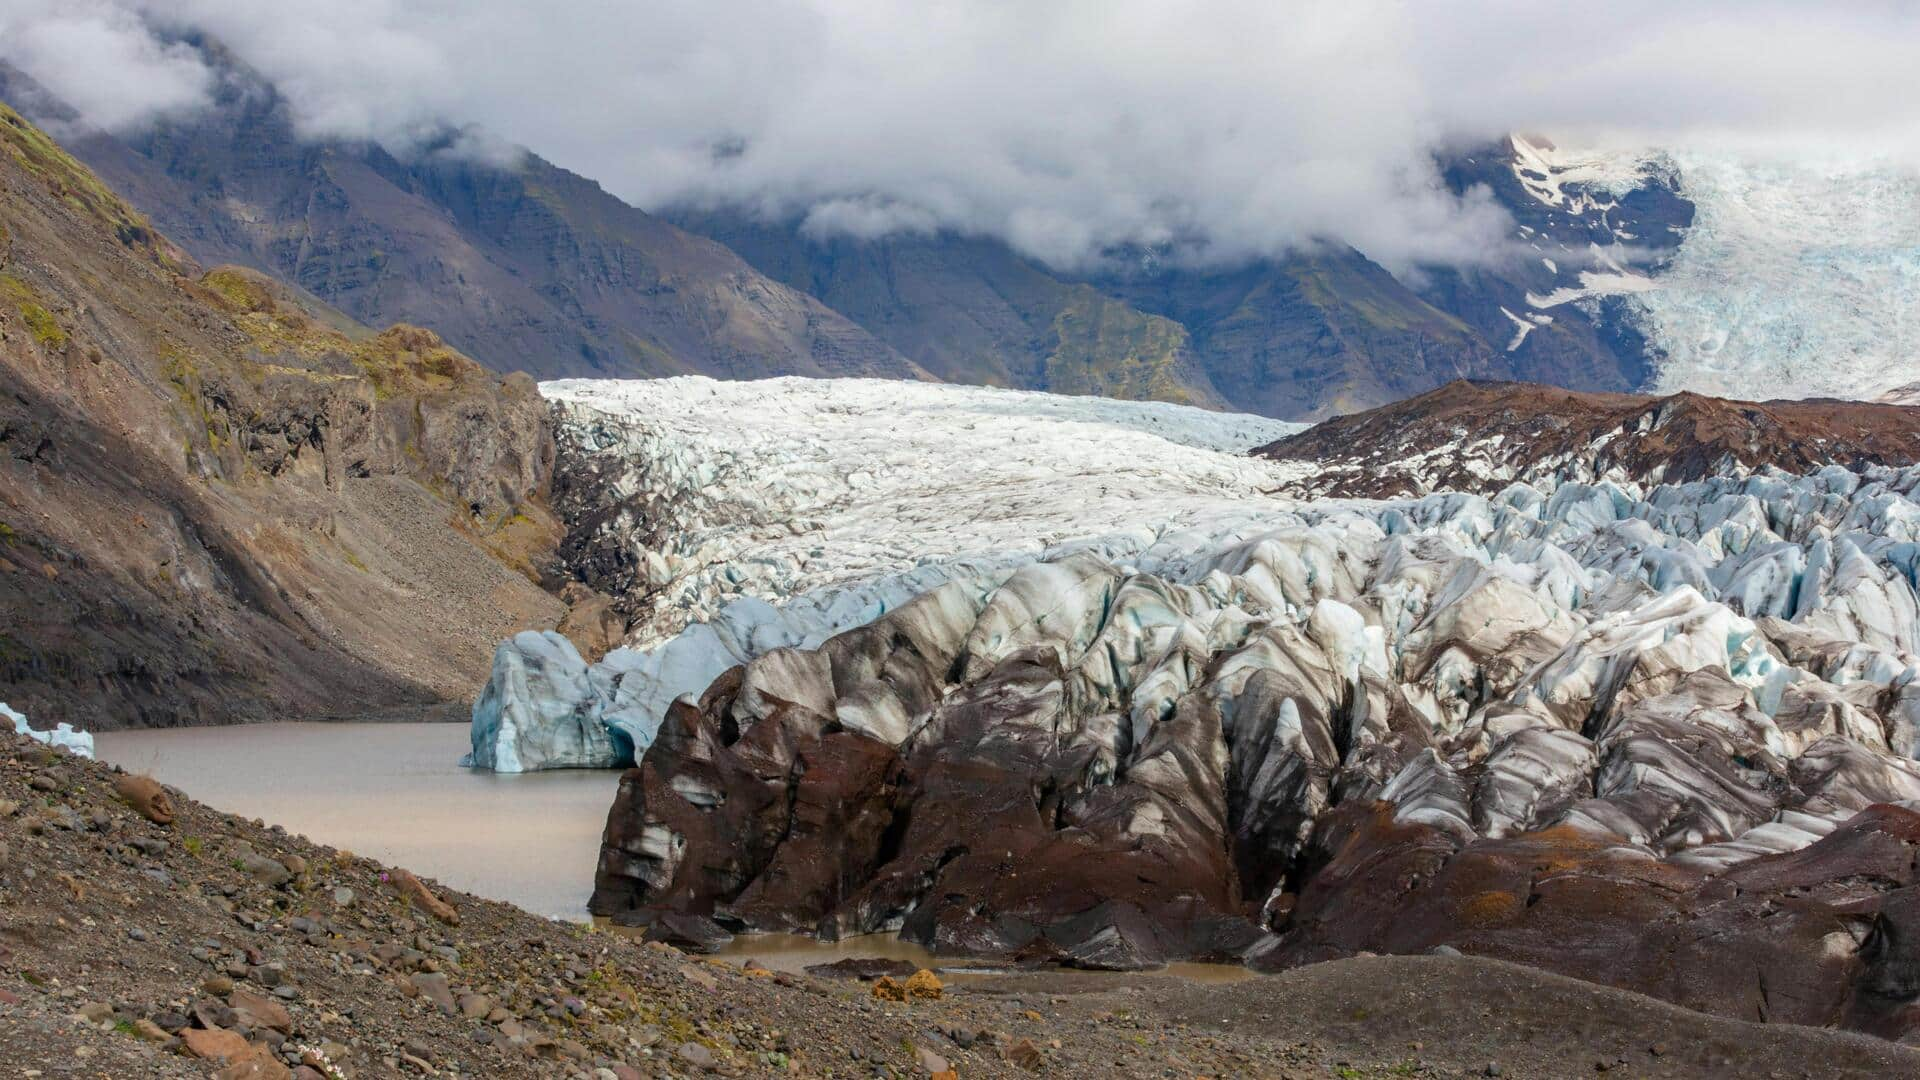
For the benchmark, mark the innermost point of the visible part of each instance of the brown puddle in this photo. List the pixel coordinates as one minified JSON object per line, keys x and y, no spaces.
{"x":794,"y":953}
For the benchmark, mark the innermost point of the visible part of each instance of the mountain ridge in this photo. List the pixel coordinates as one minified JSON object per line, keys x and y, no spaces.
{"x":525,"y":265}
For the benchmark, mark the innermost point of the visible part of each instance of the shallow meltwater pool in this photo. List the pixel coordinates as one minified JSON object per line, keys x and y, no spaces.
{"x":794,"y":953}
{"x":395,"y":792}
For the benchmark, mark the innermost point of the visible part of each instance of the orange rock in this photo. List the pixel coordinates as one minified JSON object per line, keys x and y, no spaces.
{"x":217,"y":1044}
{"x":145,"y":794}
{"x":886,"y":989}
{"x":416,"y":892}
{"x":924,"y":985}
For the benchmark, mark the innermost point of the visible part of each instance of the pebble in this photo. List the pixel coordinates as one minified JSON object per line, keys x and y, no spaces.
{"x":343,"y":897}
{"x":137,"y":934}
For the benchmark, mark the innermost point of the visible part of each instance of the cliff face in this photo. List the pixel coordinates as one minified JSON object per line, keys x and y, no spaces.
{"x":517,"y":262}
{"x":221,"y":500}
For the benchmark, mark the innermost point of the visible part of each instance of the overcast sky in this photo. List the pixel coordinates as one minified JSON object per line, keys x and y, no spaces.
{"x":1063,"y":127}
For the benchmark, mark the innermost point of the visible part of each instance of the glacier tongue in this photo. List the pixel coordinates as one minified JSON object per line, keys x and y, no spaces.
{"x":773,"y":514}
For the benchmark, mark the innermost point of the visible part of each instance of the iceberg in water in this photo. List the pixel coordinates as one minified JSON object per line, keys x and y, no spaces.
{"x":78,"y":742}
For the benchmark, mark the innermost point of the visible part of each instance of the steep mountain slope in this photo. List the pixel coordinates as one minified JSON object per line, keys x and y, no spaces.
{"x":219,"y":502}
{"x":520,"y":263}
{"x":1481,"y":437}
{"x":1314,"y":334}
{"x":971,"y":310}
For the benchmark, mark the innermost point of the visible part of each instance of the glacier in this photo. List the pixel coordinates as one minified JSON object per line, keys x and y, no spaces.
{"x":775,"y":513}
{"x":1562,"y":686}
{"x":1797,"y":279}
{"x":63,"y":735}
{"x":836,"y":506}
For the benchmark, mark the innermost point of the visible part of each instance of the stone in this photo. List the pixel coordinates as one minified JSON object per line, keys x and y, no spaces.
{"x":433,"y":985}
{"x":695,"y":1055}
{"x":1026,"y":1055}
{"x":930,"y":1062}
{"x":415,"y":892}
{"x":923,"y":985}
{"x":263,"y":869}
{"x":475,"y":1006}
{"x":215,"y":1044}
{"x":343,"y":897}
{"x":259,"y":1012}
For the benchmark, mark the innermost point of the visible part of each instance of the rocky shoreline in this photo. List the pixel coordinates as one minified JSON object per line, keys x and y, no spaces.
{"x":212,"y":945}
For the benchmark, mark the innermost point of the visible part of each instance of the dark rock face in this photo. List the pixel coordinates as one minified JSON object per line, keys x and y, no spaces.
{"x":1815,"y":937}
{"x":1575,"y":730}
{"x":1483,"y":436}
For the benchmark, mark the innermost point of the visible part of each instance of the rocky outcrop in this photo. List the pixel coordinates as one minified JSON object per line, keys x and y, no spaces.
{"x":1454,"y":721}
{"x":221,"y":500}
{"x":1481,"y":437}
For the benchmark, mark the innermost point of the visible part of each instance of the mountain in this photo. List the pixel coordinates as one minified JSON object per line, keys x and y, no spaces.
{"x":1480,"y":437}
{"x":1317,"y":333}
{"x":522,"y":264}
{"x":526,"y":265}
{"x":221,"y":500}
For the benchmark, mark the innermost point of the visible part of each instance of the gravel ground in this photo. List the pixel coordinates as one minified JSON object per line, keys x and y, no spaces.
{"x":128,"y":946}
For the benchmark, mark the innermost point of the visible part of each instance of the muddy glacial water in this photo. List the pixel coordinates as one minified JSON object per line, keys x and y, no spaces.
{"x":396,"y":793}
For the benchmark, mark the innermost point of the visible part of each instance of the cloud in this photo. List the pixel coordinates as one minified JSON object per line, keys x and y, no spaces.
{"x":102,"y":60}
{"x":1225,"y":129}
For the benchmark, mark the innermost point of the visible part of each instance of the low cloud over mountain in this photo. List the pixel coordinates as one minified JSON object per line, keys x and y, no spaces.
{"x":1219,"y":131}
